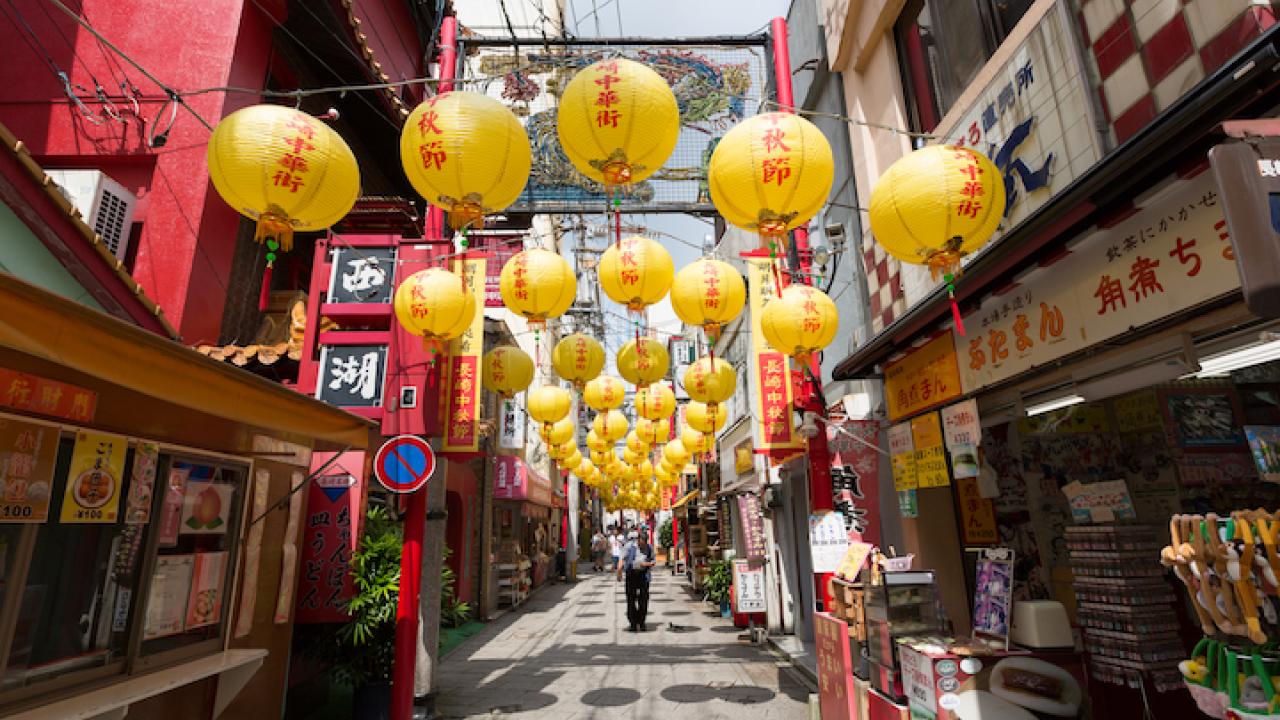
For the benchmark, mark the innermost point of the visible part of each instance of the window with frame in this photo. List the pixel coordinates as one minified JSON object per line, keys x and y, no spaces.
{"x":943,"y":44}
{"x":83,"y":599}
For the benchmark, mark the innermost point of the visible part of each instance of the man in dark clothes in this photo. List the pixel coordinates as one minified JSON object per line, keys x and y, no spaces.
{"x":637,"y":559}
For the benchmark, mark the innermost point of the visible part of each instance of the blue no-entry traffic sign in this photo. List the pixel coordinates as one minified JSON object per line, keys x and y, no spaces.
{"x":404,"y":464}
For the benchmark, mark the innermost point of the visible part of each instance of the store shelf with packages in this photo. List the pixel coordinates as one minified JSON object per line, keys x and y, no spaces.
{"x":1126,"y":611}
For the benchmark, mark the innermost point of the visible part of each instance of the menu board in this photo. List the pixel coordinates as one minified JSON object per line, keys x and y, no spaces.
{"x":828,"y":541}
{"x":748,"y":587}
{"x":170,"y":593}
{"x":95,"y":479}
{"x":28,"y":453}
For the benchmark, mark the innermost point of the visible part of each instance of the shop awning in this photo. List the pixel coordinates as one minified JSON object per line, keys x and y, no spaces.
{"x":748,"y":484}
{"x":50,"y":327}
{"x":685,"y":499}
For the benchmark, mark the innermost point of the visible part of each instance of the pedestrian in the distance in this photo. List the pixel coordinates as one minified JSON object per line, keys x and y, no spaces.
{"x":599,"y":546}
{"x":637,"y":560}
{"x":615,"y":548}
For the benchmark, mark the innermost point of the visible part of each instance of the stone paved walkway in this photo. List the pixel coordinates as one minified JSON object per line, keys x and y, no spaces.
{"x":567,"y":655}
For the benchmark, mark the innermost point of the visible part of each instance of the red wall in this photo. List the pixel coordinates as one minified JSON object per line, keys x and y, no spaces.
{"x":188,"y":233}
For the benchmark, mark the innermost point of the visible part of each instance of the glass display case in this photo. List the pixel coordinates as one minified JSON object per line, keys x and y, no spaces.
{"x":903,"y":604}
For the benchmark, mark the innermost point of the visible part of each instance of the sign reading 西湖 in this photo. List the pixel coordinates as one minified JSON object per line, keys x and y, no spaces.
{"x":352,"y":375}
{"x":927,"y":377}
{"x":362,"y":275}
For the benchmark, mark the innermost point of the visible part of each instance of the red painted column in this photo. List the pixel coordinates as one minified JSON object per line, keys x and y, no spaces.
{"x":415,"y":519}
{"x":810,"y":399}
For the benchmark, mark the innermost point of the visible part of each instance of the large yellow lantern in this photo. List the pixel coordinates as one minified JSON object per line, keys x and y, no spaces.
{"x":283,"y":168}
{"x":467,"y":153}
{"x":643,"y":362}
{"x":771,"y":173}
{"x":604,"y":393}
{"x":635,"y":272}
{"x":537,"y":284}
{"x":653,"y":432}
{"x":558,"y":432}
{"x":435,"y":304}
{"x":507,"y":370}
{"x":578,"y":359}
{"x":549,"y":404}
{"x":676,"y":453}
{"x":597,"y":443}
{"x":710,"y":380}
{"x":705,"y":418}
{"x":695,"y":441}
{"x":800,"y":322}
{"x":611,"y":425}
{"x":936,"y":205}
{"x":708,"y":293}
{"x":618,"y":121}
{"x":655,"y":402}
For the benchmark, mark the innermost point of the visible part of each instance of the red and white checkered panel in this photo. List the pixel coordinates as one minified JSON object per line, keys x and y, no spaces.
{"x":884,"y":285}
{"x":1148,"y":53}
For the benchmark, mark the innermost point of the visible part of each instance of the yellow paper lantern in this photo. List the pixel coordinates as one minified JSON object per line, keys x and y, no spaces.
{"x":283,"y":168}
{"x":646,"y":470}
{"x":676,"y":453}
{"x":597,"y":443}
{"x":653,"y":432}
{"x":572,"y":460}
{"x":695,"y":441}
{"x":558,"y":432}
{"x":507,"y":370}
{"x":537,"y":284}
{"x":632,"y":457}
{"x":467,"y":153}
{"x":708,"y":293}
{"x":611,"y":425}
{"x":549,"y":404}
{"x":655,"y":402}
{"x":602,"y":458}
{"x":435,"y":304}
{"x":710,"y":380}
{"x":560,"y":451}
{"x":644,"y":362}
{"x":578,"y":359}
{"x":668,"y":468}
{"x":584,"y":469}
{"x":936,"y":205}
{"x":604,"y":393}
{"x":770,"y":174}
{"x":635,"y":272}
{"x":636,"y":444}
{"x":705,"y":418}
{"x":618,"y":121}
{"x":800,"y":322}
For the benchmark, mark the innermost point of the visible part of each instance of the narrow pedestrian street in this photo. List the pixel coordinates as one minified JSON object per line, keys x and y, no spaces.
{"x":567,"y":655}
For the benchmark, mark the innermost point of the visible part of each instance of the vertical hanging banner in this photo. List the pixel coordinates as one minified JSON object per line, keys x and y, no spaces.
{"x":462,"y":400}
{"x":93,"y":485}
{"x":931,"y":461}
{"x":771,"y":372}
{"x":902,"y":454}
{"x":329,"y":539}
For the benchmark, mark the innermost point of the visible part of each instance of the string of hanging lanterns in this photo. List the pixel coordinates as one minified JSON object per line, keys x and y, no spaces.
{"x":618,"y":123}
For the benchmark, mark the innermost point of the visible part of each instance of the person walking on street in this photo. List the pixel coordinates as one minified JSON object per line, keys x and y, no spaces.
{"x":599,"y":546}
{"x":637,"y":560}
{"x":615,"y":548}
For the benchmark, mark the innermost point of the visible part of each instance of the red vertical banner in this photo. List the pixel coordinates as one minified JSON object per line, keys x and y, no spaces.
{"x":835,"y":668}
{"x":855,"y":470}
{"x":771,"y":376}
{"x":329,"y":538}
{"x":462,"y":419}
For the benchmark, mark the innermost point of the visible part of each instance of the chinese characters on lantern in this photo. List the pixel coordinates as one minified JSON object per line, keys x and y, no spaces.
{"x":431,"y":148}
{"x":606,"y":96}
{"x":293,"y":171}
{"x":776,"y":166}
{"x":462,"y":401}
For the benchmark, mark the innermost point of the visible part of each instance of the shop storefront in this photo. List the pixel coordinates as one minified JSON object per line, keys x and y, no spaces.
{"x":149,"y":519}
{"x":524,"y":536}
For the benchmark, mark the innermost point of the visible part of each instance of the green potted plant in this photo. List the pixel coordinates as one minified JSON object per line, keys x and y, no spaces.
{"x":664,"y":538}
{"x":719,"y":579}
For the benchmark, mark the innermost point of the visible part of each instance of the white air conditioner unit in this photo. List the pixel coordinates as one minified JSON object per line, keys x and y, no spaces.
{"x":103,"y":203}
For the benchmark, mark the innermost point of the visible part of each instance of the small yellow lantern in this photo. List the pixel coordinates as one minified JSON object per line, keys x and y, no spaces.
{"x":771,"y":173}
{"x":604,"y":393}
{"x":708,"y":293}
{"x":632,"y":457}
{"x":800,"y":322}
{"x":668,"y":468}
{"x":597,"y":443}
{"x":645,"y":469}
{"x":644,"y":362}
{"x":655,"y":402}
{"x":584,"y":469}
{"x":435,"y":304}
{"x":602,"y":458}
{"x":557,"y":452}
{"x":653,"y":432}
{"x":537,"y":284}
{"x":572,"y":460}
{"x":611,"y":425}
{"x":636,"y":444}
{"x":635,"y":272}
{"x":283,"y":168}
{"x":507,"y":370}
{"x":549,"y":404}
{"x":704,"y":418}
{"x":578,"y":359}
{"x":558,"y":432}
{"x":936,"y":205}
{"x":676,"y":453}
{"x":618,"y":121}
{"x":467,"y":153}
{"x":710,"y":380}
{"x":695,"y":441}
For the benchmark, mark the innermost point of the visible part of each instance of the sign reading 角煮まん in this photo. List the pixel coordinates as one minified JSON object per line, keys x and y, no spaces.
{"x":927,"y":377}
{"x":1171,"y":255}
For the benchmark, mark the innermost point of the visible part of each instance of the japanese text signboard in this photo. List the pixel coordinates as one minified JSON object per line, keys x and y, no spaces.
{"x":362,"y":275}
{"x":835,"y":668}
{"x":352,"y":375}
{"x":1170,"y":255}
{"x":28,"y":452}
{"x":927,"y":377}
{"x":902,"y":455}
{"x":333,"y":506}
{"x":751,"y":521}
{"x":29,"y":393}
{"x":748,"y":587}
{"x":95,"y":478}
{"x":931,"y":460}
{"x":855,"y":469}
{"x":462,"y":401}
{"x":770,"y":370}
